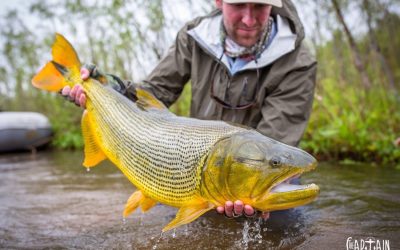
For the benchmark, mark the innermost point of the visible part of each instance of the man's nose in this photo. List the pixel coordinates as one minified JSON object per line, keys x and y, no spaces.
{"x":248,"y":17}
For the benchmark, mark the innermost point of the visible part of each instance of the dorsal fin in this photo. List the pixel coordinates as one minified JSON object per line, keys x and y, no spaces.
{"x":146,"y":100}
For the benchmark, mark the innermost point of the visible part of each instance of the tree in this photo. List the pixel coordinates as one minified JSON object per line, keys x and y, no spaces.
{"x":358,"y":60}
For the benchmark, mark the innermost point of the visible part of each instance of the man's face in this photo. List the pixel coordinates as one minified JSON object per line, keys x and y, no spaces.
{"x":244,"y":22}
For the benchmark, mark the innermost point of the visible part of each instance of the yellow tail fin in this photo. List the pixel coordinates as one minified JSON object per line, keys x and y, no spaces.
{"x":63,"y":70}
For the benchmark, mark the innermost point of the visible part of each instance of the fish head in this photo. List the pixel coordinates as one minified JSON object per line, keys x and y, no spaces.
{"x":256,"y":169}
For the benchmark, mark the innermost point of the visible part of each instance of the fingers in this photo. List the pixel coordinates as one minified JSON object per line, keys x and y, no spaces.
{"x":82,"y":100}
{"x":220,"y":210}
{"x":229,"y":209}
{"x":235,"y":209}
{"x":238,"y":208}
{"x":73,"y":92}
{"x":249,"y":211}
{"x":76,"y":95}
{"x":65,"y":91}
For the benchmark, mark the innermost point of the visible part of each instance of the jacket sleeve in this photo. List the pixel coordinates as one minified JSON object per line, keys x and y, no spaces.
{"x":168,"y":78}
{"x":286,"y":110}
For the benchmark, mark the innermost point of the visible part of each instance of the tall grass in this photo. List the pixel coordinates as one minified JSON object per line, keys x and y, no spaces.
{"x":349,"y":124}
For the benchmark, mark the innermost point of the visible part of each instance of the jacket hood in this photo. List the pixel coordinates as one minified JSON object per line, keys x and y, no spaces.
{"x":289,"y":12}
{"x":289,"y":33}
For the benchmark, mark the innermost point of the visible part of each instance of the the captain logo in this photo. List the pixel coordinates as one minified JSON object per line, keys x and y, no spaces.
{"x":369,"y":243}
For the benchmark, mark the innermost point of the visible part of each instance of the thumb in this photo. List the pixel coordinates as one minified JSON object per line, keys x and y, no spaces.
{"x":85,"y":73}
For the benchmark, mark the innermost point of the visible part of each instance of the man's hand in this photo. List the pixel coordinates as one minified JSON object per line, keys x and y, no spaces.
{"x":76,"y":94}
{"x":238,"y":209}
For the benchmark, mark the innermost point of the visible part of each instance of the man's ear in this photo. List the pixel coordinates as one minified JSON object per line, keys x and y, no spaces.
{"x":218,"y":4}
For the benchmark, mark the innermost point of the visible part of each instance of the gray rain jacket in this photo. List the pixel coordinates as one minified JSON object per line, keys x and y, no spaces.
{"x":286,"y":75}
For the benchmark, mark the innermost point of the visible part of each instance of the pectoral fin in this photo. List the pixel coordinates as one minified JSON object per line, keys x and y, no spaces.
{"x":136,"y":199}
{"x":93,"y":153}
{"x":188,"y":214}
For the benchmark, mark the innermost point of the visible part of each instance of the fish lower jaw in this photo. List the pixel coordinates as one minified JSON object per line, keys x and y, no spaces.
{"x":286,"y":196}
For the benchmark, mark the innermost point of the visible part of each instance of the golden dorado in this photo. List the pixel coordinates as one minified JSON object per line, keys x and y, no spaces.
{"x":192,"y":164}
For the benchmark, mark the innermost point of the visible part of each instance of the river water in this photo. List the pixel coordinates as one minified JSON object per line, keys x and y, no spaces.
{"x":49,"y":201}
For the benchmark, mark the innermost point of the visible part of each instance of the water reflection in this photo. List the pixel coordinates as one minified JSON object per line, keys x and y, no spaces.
{"x":50,"y":201}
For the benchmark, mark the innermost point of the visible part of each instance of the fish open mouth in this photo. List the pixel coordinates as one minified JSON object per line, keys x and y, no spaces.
{"x":284,"y":195}
{"x":287,"y":187}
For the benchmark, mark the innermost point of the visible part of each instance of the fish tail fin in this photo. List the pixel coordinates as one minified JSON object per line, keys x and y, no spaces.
{"x":62,"y":70}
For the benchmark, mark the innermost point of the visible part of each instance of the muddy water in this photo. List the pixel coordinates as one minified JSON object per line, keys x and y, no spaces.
{"x":49,"y":201}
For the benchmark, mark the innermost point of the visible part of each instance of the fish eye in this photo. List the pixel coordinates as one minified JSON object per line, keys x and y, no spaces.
{"x":275,"y":161}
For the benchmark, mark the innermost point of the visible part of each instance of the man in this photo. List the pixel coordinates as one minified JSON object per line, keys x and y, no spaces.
{"x":247,"y":64}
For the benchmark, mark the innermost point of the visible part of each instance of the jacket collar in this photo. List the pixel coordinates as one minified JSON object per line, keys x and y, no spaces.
{"x":208,"y":36}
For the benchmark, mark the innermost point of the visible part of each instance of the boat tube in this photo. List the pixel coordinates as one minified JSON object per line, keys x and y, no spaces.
{"x":23,"y":131}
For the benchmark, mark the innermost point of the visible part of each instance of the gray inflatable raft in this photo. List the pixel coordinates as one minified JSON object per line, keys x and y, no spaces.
{"x":23,"y":131}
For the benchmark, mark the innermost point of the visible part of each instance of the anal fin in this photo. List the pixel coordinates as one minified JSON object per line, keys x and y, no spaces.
{"x":188,"y":214}
{"x":147,"y":203}
{"x":93,"y":153}
{"x":136,"y":199}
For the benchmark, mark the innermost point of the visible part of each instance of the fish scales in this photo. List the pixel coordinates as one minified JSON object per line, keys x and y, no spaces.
{"x":165,"y":152}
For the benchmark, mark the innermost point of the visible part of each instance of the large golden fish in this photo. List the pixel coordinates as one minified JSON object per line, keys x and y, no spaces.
{"x":191,"y":164}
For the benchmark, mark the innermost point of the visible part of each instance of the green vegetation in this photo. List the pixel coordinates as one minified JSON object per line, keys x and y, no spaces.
{"x":182,"y":105}
{"x":348,"y":125}
{"x":349,"y":119}
{"x":355,"y":115}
